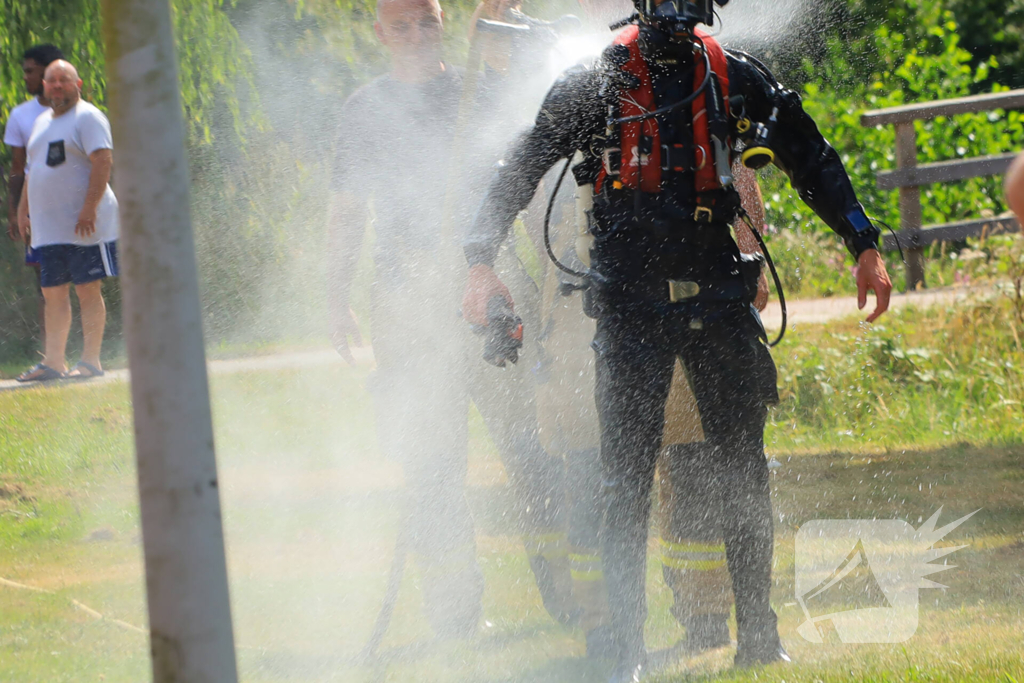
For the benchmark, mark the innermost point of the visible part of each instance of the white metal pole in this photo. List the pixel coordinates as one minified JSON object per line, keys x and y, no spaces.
{"x":191,"y":636}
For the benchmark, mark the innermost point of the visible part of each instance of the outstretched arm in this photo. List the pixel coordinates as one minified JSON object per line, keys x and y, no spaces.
{"x":816,"y":172}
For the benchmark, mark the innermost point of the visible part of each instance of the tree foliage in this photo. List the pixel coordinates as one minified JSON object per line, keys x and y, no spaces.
{"x":928,"y":65}
{"x":212,"y":62}
{"x":214,"y":70}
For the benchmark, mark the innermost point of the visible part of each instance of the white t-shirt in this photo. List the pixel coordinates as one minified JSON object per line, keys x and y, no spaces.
{"x":19,"y":125}
{"x":58,"y":153}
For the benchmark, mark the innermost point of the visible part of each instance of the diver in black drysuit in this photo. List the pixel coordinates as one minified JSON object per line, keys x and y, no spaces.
{"x":641,"y":241}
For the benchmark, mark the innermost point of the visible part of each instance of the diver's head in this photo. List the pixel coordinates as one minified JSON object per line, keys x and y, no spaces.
{"x":677,"y":17}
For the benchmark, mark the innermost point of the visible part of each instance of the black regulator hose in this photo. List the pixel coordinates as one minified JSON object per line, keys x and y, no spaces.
{"x":611,"y":122}
{"x":681,"y":103}
{"x":547,"y":226}
{"x":895,"y":237}
{"x":775,"y":274}
{"x":387,"y":607}
{"x":640,"y":117}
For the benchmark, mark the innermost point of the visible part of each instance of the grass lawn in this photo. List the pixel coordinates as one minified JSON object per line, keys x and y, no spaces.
{"x":310,"y":515}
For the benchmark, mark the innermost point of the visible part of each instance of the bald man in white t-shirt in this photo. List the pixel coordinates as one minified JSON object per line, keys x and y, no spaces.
{"x":74,"y":222}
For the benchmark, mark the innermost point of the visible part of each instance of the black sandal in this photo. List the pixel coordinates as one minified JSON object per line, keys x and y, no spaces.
{"x":84,"y":371}
{"x":40,"y":373}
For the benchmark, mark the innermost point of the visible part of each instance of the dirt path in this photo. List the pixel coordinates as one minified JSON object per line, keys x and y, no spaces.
{"x":810,"y":311}
{"x":801,"y":312}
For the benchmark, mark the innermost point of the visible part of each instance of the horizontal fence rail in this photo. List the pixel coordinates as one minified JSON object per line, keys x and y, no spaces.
{"x":908,"y":177}
{"x":951,"y":232}
{"x":944,"y":171}
{"x":924,"y":111}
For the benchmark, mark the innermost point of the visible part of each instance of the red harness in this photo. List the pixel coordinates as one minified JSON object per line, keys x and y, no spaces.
{"x":644,"y":170}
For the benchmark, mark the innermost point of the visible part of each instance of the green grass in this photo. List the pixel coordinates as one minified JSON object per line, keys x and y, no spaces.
{"x":310,"y":518}
{"x":920,"y":377}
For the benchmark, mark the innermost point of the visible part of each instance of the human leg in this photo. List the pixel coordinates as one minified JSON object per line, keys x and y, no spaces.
{"x":692,"y":546}
{"x":54,"y":281}
{"x":583,"y":508}
{"x":634,"y":370}
{"x":421,"y":401}
{"x":58,"y":324}
{"x":94,"y":320}
{"x":32,"y":261}
{"x":505,"y":399}
{"x":734,"y":380}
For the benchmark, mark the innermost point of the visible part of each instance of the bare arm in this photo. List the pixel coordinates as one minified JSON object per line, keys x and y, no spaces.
{"x":24,"y":228}
{"x":15,"y":182}
{"x":102,"y":161}
{"x":345,"y":231}
{"x":1015,"y":186}
{"x":753,"y":204}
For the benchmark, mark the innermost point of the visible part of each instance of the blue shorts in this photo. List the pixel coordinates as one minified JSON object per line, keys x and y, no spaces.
{"x":31,"y":257}
{"x":60,"y":264}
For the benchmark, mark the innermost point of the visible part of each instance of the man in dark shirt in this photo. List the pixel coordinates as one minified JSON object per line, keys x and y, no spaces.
{"x":668,"y":282}
{"x":394,"y":162}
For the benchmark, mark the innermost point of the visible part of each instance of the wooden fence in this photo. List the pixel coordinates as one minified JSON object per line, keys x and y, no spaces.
{"x":908,"y":176}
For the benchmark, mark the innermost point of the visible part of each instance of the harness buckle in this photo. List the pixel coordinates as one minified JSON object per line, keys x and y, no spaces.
{"x":679,"y":290}
{"x":606,"y":159}
{"x":666,"y":158}
{"x":703,"y":214}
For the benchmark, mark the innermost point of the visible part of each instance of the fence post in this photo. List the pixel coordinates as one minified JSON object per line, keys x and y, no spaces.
{"x":190,"y":632}
{"x":910,"y":205}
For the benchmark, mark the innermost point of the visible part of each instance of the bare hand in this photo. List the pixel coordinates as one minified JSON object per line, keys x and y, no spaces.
{"x":25,"y":229}
{"x":872,"y":276}
{"x":86,"y":225}
{"x":761,"y":300}
{"x":13,"y":231}
{"x":343,"y":325}
{"x":482,"y":285}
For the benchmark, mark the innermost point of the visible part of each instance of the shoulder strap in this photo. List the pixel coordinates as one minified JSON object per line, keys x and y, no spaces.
{"x":707,"y":178}
{"x":639,"y":141}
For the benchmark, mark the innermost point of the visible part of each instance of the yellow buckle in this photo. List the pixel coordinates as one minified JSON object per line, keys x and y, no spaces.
{"x":703,"y":214}
{"x":678,"y":290}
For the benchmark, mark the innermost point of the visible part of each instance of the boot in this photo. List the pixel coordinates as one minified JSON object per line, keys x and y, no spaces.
{"x":760,"y":646}
{"x":748,"y":657}
{"x":706,"y":632}
{"x":551,"y":571}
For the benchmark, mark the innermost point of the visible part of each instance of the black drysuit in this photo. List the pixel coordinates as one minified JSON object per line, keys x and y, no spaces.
{"x":641,"y":241}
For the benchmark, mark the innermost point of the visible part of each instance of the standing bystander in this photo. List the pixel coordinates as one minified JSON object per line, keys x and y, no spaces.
{"x":16,"y":133}
{"x":74,"y":224}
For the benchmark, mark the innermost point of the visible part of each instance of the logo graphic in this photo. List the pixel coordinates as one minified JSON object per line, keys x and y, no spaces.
{"x":861,"y":576}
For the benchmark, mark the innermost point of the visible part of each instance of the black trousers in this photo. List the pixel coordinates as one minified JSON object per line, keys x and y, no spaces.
{"x":733,"y":378}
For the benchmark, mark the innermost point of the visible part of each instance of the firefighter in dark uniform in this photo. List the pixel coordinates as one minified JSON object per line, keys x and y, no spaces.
{"x":658,"y":121}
